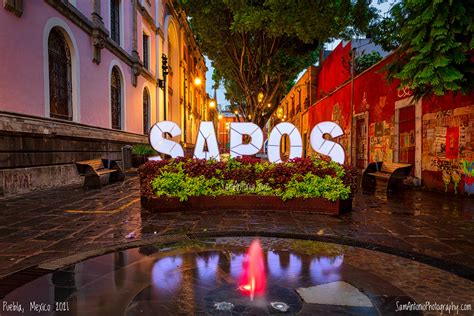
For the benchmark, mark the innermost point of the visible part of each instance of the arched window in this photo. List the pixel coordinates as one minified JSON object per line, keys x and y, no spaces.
{"x":60,"y":82}
{"x":116,"y":98}
{"x":146,"y":111}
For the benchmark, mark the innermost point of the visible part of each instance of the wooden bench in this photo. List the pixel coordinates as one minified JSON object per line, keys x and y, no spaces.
{"x":97,"y":169}
{"x":388,"y":175}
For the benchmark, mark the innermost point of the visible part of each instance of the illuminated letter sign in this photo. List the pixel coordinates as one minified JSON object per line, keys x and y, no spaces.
{"x":163,"y":145}
{"x":274,"y":141}
{"x":237,"y":147}
{"x":325,"y":146}
{"x":206,"y":135}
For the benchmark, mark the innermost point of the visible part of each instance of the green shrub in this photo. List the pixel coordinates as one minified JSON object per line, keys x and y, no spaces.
{"x":311,"y":186}
{"x":143,"y":150}
{"x":299,"y":178}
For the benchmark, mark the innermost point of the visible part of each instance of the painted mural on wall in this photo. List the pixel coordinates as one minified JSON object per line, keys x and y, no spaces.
{"x":448,"y":146}
{"x":381,"y":141}
{"x":341,"y":119}
{"x":468,"y":173}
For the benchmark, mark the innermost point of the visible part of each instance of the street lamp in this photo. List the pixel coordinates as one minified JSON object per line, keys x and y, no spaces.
{"x":197,"y":81}
{"x":219,"y":117}
{"x":212,"y":104}
{"x":165,"y":72}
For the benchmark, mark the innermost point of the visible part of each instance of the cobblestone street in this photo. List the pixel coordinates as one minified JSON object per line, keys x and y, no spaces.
{"x":48,"y":225}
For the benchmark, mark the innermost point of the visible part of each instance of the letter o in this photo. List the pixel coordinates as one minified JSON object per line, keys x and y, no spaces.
{"x":296,"y":143}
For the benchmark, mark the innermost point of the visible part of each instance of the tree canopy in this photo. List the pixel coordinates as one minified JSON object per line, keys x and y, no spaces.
{"x":257,"y":47}
{"x":434,"y":45}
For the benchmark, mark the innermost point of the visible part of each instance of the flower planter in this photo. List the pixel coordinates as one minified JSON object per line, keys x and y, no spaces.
{"x":245,"y":202}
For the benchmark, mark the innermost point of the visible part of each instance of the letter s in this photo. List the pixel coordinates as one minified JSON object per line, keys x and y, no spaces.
{"x":163,"y":145}
{"x":325,"y":146}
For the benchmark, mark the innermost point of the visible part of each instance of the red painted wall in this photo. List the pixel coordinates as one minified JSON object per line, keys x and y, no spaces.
{"x":445,"y":120}
{"x":335,"y":70}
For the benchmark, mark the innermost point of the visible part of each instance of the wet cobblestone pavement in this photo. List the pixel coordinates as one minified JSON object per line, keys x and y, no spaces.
{"x":43,"y":226}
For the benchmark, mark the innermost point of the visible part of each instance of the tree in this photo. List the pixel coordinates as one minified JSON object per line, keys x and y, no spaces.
{"x":365,"y":61}
{"x":435,"y":43}
{"x":361,"y":62}
{"x":259,"y":46}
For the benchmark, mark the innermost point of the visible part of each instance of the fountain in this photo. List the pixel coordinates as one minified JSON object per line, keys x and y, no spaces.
{"x":253,"y":279}
{"x":222,"y":276}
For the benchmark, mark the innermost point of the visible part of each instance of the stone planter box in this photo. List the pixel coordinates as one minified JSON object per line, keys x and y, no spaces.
{"x":246,"y":202}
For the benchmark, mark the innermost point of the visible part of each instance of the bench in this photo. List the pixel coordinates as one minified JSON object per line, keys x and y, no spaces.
{"x":388,"y":175}
{"x":97,"y":169}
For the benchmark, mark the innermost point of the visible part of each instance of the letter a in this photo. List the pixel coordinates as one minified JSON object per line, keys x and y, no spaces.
{"x":207,"y":136}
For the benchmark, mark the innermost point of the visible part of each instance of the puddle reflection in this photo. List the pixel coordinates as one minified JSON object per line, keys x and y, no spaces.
{"x":166,"y":273}
{"x":207,"y":267}
{"x":284,"y":265}
{"x":324,"y":269}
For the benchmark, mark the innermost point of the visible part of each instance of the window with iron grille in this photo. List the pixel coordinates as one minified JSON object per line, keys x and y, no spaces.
{"x":115,"y":20}
{"x":60,"y":83}
{"x":146,"y":51}
{"x":146,"y":111}
{"x":116,"y":98}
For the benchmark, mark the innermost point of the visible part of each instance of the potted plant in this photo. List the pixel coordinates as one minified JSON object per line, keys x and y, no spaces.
{"x":140,"y":154}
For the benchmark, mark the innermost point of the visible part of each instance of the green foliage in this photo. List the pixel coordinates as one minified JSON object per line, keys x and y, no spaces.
{"x":143,"y":150}
{"x":366,"y":61}
{"x":436,"y":43}
{"x":328,"y":187}
{"x":177,"y":184}
{"x":259,"y":46}
{"x":172,"y":179}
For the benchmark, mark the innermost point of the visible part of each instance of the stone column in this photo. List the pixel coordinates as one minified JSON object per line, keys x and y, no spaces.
{"x":136,"y":66}
{"x":99,"y":32}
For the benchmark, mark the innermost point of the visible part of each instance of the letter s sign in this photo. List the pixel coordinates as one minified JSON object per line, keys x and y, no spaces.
{"x":325,"y":146}
{"x":163,"y":145}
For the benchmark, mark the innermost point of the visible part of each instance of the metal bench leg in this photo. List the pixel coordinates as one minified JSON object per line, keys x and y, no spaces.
{"x":116,"y":176}
{"x":368,"y":184}
{"x":92,"y":181}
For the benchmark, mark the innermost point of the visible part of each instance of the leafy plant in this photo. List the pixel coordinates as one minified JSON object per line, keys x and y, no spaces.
{"x":143,"y":150}
{"x":311,"y":185}
{"x":434,"y":42}
{"x":298,"y":178}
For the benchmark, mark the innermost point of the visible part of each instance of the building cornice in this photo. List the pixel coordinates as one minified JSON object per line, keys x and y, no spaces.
{"x":147,"y":17}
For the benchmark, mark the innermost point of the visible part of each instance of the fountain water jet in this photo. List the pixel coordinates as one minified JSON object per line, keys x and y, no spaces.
{"x":253,"y":280}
